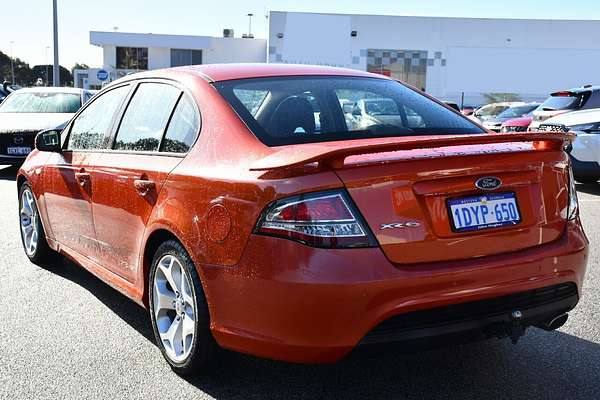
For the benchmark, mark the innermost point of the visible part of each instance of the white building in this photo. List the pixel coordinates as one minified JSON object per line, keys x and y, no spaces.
{"x":446,"y":56}
{"x":124,"y":53}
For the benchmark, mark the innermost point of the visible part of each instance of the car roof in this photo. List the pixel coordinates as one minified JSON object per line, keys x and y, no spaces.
{"x":225,"y":72}
{"x":50,"y":90}
{"x":578,"y":90}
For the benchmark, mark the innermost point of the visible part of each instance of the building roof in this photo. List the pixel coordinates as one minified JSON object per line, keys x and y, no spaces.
{"x":128,"y":39}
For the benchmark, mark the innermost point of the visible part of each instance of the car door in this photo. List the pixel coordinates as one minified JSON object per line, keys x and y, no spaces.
{"x":128,"y":178}
{"x":69,"y":199}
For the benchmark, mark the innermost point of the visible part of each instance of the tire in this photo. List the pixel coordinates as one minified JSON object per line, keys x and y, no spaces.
{"x":33,"y":236}
{"x":180,"y":309}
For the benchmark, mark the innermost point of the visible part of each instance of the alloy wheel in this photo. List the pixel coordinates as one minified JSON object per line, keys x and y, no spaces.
{"x":174,"y":308}
{"x":29,"y":228}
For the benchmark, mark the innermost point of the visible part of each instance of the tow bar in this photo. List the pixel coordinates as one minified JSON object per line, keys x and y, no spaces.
{"x":516,"y":327}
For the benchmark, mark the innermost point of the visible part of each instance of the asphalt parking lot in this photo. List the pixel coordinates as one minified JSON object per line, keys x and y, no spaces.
{"x":64,"y":334}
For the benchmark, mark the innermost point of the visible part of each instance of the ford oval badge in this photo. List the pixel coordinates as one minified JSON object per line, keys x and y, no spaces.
{"x":488,"y":183}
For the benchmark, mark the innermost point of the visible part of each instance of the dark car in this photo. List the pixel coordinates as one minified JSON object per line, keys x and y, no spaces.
{"x":495,"y":124}
{"x":27,"y":111}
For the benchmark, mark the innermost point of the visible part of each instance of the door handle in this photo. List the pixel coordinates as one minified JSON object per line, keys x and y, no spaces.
{"x":144,"y":186}
{"x":83,"y":178}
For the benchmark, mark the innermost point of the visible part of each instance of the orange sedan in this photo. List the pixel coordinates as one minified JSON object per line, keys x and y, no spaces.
{"x":297,"y":212}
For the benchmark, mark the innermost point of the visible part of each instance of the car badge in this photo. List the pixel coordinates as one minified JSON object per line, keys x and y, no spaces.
{"x":18,"y":139}
{"x":488,"y":183}
{"x":399,"y":225}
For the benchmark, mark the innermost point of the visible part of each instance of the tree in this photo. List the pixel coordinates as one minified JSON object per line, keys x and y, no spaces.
{"x":27,"y":76}
{"x":39,"y":71}
{"x":501,"y":97}
{"x":79,"y":66}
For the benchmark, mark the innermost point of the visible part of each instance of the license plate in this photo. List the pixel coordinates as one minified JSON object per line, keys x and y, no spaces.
{"x":474,"y":213}
{"x":18,"y":151}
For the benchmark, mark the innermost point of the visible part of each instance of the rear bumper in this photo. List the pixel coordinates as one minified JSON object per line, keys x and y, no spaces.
{"x":294,"y":303}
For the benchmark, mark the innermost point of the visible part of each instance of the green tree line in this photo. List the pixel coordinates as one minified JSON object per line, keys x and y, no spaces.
{"x":28,"y":76}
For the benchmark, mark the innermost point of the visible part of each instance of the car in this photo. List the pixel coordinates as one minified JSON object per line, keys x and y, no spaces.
{"x":492,"y":110}
{"x":207,"y":195}
{"x":452,"y":104}
{"x":467,"y":110}
{"x":517,"y":124}
{"x":380,"y":113}
{"x":27,"y":111}
{"x":582,"y":98}
{"x":585,"y":149}
{"x":5,"y":89}
{"x":495,"y":124}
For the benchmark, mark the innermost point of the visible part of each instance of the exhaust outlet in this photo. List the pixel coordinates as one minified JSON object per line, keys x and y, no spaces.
{"x":554,"y":323}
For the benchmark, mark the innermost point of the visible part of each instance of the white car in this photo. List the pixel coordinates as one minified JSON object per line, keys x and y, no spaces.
{"x":27,"y":111}
{"x":492,"y":110}
{"x":585,"y":152}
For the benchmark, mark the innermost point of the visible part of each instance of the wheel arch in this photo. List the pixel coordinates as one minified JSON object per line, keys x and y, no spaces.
{"x":158,"y":236}
{"x":21,"y":179}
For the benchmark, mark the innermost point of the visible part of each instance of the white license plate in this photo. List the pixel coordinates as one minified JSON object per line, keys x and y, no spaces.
{"x":484,"y":211}
{"x":18,"y":151}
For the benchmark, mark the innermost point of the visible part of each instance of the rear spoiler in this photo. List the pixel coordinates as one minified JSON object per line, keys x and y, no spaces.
{"x":333,"y":154}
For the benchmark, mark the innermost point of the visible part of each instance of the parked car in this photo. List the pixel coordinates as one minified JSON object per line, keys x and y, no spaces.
{"x":5,"y":89}
{"x":27,"y":111}
{"x":585,"y":150}
{"x":517,"y":124}
{"x":495,"y":124}
{"x":467,"y":110}
{"x":452,"y":104}
{"x":492,"y":110}
{"x":207,"y":195}
{"x":583,"y":98}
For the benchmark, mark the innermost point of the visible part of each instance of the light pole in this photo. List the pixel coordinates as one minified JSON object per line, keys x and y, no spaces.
{"x":12,"y":66}
{"x":55,"y":69}
{"x":250,"y":15}
{"x":47,"y":65}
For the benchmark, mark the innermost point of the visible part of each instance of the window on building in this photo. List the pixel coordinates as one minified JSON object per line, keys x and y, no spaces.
{"x":181,"y":57}
{"x":408,"y":66}
{"x":146,"y":117}
{"x":132,"y":58}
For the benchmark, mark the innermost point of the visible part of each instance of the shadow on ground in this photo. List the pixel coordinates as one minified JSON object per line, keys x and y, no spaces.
{"x":589,"y":188}
{"x":543,"y":365}
{"x":8,"y":173}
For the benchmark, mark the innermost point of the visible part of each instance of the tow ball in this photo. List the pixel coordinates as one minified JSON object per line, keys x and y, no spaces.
{"x":516,"y":329}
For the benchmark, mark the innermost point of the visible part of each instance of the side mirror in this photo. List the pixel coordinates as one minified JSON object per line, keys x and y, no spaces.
{"x":48,"y":140}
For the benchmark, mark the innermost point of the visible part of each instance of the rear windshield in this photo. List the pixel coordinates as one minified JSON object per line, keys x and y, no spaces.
{"x":561,"y":102}
{"x":43,"y":102}
{"x":518,"y":111}
{"x":291,"y":110}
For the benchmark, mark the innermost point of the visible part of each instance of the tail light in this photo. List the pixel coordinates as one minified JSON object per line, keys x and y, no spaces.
{"x":325,"y":219}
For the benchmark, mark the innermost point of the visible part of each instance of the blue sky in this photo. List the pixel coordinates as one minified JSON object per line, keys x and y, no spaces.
{"x":31,"y":30}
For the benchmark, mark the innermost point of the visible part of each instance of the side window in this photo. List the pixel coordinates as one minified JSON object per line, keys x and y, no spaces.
{"x":146,"y":117}
{"x":593,"y":101}
{"x":183,"y":127}
{"x":91,"y":128}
